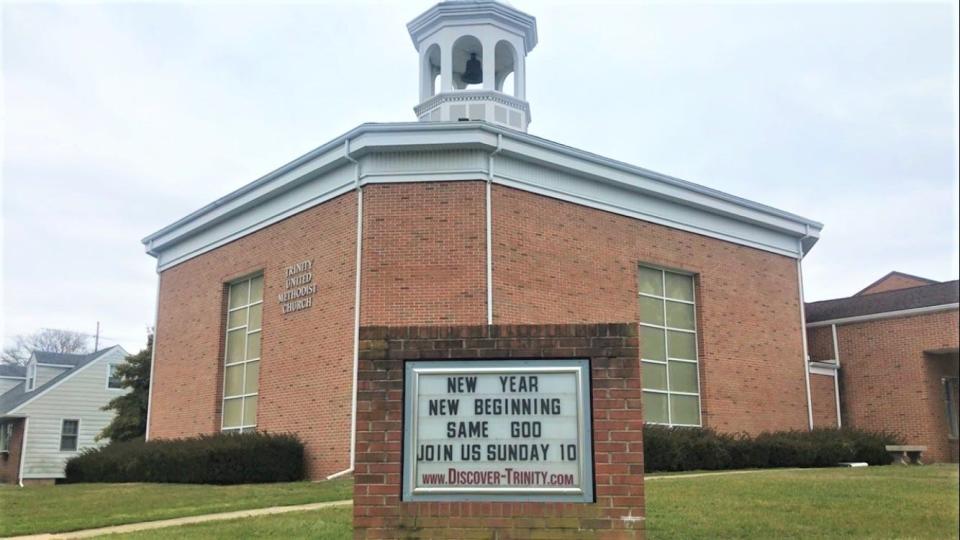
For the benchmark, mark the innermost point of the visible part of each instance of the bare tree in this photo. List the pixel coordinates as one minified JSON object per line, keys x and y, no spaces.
{"x":48,"y":340}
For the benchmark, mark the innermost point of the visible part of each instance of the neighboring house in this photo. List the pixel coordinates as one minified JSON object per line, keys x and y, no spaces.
{"x":894,"y":348}
{"x":54,"y":411}
{"x":10,"y":376}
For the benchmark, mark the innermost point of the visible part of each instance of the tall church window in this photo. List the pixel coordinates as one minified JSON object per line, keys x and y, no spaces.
{"x":241,"y":372}
{"x":668,"y":348}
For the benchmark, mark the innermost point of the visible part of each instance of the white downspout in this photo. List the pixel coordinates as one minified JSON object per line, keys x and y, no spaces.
{"x":153,"y":356}
{"x":489,"y":220}
{"x":356,"y":316}
{"x":836,"y":372}
{"x":23,"y":450}
{"x":803,"y":326}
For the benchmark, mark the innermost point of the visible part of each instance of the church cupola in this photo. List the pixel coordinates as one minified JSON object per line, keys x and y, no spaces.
{"x":472,"y":62}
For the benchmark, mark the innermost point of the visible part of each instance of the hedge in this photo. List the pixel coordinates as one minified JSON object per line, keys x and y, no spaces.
{"x":687,"y":449}
{"x":229,"y":458}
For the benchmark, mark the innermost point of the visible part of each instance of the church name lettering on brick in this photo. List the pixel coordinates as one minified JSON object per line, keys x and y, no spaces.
{"x":298,"y":287}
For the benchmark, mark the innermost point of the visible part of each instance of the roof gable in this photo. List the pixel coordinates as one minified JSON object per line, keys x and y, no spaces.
{"x":895,"y":280}
{"x":937,"y":294}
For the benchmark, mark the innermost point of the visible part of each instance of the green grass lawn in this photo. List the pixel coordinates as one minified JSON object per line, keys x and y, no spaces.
{"x":84,"y":506}
{"x":325,"y":524}
{"x":875,"y":502}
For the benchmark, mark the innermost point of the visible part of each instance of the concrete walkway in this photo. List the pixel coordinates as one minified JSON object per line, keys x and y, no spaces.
{"x":163,"y":523}
{"x":665,"y":476}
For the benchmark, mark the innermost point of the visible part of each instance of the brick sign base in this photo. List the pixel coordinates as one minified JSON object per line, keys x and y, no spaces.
{"x":613,"y":352}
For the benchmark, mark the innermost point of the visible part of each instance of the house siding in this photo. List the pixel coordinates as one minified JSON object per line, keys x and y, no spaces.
{"x":7,"y":383}
{"x":80,"y":396}
{"x":45,"y":373}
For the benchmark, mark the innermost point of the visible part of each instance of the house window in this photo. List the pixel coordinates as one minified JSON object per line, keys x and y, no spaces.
{"x":69,"y":433}
{"x":6,"y":433}
{"x":242,"y":355}
{"x":31,"y":376}
{"x":950,"y":387}
{"x":668,"y":348}
{"x":114,"y":381}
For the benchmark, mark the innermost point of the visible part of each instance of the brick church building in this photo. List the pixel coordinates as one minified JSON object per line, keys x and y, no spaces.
{"x":464,"y":218}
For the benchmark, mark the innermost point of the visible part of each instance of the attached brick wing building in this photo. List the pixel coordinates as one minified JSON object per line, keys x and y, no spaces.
{"x":886,"y":359}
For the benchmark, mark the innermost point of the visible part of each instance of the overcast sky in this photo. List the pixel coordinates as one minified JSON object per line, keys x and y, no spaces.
{"x":121,"y":118}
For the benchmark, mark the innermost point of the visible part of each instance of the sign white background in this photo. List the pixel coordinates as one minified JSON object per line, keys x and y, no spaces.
{"x":508,"y":429}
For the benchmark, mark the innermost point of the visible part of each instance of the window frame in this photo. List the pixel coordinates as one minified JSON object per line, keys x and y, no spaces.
{"x":241,"y":428}
{"x":110,"y":366}
{"x":6,"y":435}
{"x":953,"y":428}
{"x":76,"y":436}
{"x":31,"y":382}
{"x":666,"y":333}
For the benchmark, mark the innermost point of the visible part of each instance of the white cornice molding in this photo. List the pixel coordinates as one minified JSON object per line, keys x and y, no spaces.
{"x":886,"y":315}
{"x":445,"y":154}
{"x":470,"y":13}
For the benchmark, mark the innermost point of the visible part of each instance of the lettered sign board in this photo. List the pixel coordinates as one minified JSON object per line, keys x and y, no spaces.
{"x":497,"y":430}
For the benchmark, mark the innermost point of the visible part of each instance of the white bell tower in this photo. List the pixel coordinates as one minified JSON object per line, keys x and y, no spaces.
{"x":472,"y":62}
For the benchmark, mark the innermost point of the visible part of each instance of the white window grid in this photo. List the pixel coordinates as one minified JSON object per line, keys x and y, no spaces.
{"x":6,"y":433}
{"x":31,"y":382}
{"x":75,"y":435}
{"x":667,"y":329}
{"x":243,"y":384}
{"x":111,"y":367}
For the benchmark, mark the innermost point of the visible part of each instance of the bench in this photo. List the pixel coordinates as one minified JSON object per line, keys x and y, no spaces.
{"x":906,"y":454}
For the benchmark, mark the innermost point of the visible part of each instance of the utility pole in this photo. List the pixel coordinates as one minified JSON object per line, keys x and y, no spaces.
{"x":96,"y":339}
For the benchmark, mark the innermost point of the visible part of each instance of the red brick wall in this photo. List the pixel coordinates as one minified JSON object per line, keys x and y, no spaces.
{"x":557,"y":262}
{"x":888,"y":383}
{"x":306,"y":368}
{"x":424,"y":263}
{"x":824,"y":401}
{"x":618,"y":434}
{"x":892,"y":283}
{"x":820,"y":343}
{"x":10,"y":462}
{"x":424,"y":254}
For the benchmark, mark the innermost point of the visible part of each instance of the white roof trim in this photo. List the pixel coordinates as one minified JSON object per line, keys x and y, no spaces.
{"x":487,"y":11}
{"x":72,"y":373}
{"x":886,"y":315}
{"x":448,"y":152}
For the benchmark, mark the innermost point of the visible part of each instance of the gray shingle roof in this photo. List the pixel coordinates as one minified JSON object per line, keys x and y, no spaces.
{"x":16,"y":396}
{"x":61,"y":359}
{"x":12,"y":370}
{"x":936,"y":294}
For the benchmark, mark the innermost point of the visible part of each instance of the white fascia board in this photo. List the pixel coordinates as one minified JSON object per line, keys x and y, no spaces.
{"x":312,"y":164}
{"x":886,"y":315}
{"x":629,"y":176}
{"x":318,"y":176}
